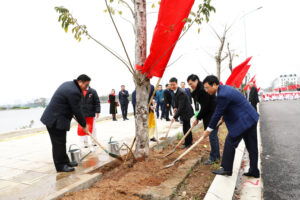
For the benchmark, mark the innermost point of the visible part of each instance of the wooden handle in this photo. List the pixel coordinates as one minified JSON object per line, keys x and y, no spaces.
{"x":187,"y":151}
{"x":184,"y":137}
{"x":169,"y":129}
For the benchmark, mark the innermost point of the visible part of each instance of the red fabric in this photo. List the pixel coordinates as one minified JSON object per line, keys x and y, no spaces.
{"x":241,"y":76}
{"x":235,"y":75}
{"x":90,"y":123}
{"x":221,"y":83}
{"x":251,"y":80}
{"x":169,"y":25}
{"x":84,"y":92}
{"x":258,"y":89}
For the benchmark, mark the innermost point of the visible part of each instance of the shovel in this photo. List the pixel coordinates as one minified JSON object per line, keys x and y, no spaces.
{"x":180,"y":142}
{"x":169,"y":129}
{"x":106,"y":151}
{"x":189,"y":149}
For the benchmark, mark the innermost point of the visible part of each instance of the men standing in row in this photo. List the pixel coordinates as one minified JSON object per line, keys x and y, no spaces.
{"x":90,"y":106}
{"x":168,"y":101}
{"x":123,"y":98}
{"x":182,"y":109}
{"x":241,"y":121}
{"x":253,"y":96}
{"x":159,"y":98}
{"x":208,"y":105}
{"x":64,"y":104}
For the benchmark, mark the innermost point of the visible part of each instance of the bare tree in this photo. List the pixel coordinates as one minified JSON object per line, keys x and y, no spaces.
{"x":231,"y":54}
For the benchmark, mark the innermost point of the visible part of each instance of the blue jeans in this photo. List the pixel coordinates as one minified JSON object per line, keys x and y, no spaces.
{"x":214,"y":145}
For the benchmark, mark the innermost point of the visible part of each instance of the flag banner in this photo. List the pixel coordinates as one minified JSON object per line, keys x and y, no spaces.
{"x":172,"y":16}
{"x":236,"y":72}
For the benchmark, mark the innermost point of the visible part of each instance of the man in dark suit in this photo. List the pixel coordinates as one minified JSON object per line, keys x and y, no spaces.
{"x":208,"y":105}
{"x":182,"y":109}
{"x":168,"y":101}
{"x":64,"y":104}
{"x":241,"y":121}
{"x":253,"y":96}
{"x":123,"y":98}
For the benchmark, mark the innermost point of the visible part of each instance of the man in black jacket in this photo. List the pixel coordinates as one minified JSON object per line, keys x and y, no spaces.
{"x":123,"y":98}
{"x":208,"y":105}
{"x":64,"y":104}
{"x":182,"y":109}
{"x":253,"y":96}
{"x":167,"y":101}
{"x":91,"y":108}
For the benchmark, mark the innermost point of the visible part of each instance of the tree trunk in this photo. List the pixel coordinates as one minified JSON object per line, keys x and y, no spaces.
{"x":218,"y":69}
{"x":141,"y":82}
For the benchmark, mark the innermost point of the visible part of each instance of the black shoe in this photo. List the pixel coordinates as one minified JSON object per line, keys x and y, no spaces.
{"x":168,"y":120}
{"x":221,"y":171}
{"x":115,"y":120}
{"x":249,"y":174}
{"x":176,"y":120}
{"x":66,"y":168}
{"x":186,"y":146}
{"x":153,"y":139}
{"x":126,"y":119}
{"x":72,"y":164}
{"x":211,"y":162}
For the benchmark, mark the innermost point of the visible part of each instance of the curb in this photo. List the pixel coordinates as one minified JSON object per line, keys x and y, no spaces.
{"x":86,"y":180}
{"x":223,"y":187}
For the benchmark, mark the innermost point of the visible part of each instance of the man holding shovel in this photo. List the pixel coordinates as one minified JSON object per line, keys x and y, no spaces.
{"x":241,"y":121}
{"x":208,"y":105}
{"x":182,"y":109}
{"x":64,"y":104}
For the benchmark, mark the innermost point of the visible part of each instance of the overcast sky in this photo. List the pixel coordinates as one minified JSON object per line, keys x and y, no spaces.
{"x":36,"y":55}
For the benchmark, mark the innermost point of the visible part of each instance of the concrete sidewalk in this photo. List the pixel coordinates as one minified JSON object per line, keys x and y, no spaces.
{"x":26,"y":166}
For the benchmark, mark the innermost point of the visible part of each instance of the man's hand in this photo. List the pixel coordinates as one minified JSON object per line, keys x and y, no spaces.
{"x":206,"y":134}
{"x":175,"y":110}
{"x":222,"y":120}
{"x":86,"y":129}
{"x":97,"y":115}
{"x":168,"y":105}
{"x":196,"y":122}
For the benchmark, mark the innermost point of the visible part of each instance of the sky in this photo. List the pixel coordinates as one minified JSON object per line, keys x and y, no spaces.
{"x":36,"y":55}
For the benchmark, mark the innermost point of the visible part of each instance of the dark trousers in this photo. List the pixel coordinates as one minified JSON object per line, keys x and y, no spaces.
{"x":250,"y":139}
{"x":186,"y":127}
{"x":254,"y":106}
{"x":160,"y":105}
{"x":133,"y":105}
{"x":124,"y":108}
{"x":59,"y":152}
{"x":167,"y":111}
{"x":214,"y":145}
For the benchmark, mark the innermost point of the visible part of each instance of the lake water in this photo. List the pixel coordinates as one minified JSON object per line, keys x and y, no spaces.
{"x":11,"y":120}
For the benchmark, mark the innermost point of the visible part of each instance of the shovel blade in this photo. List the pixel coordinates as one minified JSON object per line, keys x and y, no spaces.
{"x":170,"y":153}
{"x":169,"y":165}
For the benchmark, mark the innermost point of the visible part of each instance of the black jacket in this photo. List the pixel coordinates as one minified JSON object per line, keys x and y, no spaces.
{"x":183,"y":105}
{"x":168,"y":97}
{"x":253,"y":96}
{"x":207,"y":103}
{"x":63,"y":105}
{"x":133,"y":97}
{"x":123,"y":98}
{"x":90,"y":103}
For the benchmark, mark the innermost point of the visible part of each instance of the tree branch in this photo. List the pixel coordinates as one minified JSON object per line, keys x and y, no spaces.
{"x":128,"y":6}
{"x":117,"y":30}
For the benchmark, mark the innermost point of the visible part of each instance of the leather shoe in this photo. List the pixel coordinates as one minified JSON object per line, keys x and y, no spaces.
{"x":221,"y":171}
{"x":249,"y":174}
{"x":66,"y":168}
{"x":210,"y":162}
{"x":72,"y":164}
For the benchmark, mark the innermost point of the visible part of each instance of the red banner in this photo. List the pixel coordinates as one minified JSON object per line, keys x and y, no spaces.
{"x":171,"y":19}
{"x":237,"y":72}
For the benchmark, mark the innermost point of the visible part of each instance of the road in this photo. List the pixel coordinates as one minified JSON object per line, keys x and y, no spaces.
{"x":280,"y":132}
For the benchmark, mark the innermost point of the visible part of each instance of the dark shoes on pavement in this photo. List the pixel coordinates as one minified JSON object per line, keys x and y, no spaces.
{"x":249,"y":174}
{"x":66,"y":168}
{"x":221,"y":171}
{"x":153,"y":139}
{"x":72,"y":164}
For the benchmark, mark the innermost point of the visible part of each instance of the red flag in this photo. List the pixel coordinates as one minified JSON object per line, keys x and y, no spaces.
{"x":171,"y":19}
{"x":236,"y":71}
{"x":221,"y":83}
{"x":258,"y":89}
{"x":239,"y":79}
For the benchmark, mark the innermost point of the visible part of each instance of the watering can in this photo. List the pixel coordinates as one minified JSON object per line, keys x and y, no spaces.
{"x":75,"y":154}
{"x":114,"y":146}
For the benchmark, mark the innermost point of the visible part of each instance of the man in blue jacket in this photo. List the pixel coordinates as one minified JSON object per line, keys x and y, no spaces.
{"x":241,"y":121}
{"x":159,"y":98}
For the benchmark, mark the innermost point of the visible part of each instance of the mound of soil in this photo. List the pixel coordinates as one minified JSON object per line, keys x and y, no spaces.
{"x":122,"y":181}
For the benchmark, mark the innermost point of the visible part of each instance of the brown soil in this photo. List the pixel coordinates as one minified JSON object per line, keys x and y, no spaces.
{"x":123,"y":181}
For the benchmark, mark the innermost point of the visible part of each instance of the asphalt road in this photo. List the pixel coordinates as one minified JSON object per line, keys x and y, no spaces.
{"x":280,"y":132}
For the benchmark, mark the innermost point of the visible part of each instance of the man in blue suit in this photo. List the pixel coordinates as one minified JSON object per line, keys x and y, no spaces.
{"x":241,"y":121}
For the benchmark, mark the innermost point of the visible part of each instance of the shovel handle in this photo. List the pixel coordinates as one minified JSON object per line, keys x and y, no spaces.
{"x":169,"y":129}
{"x":184,"y":137}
